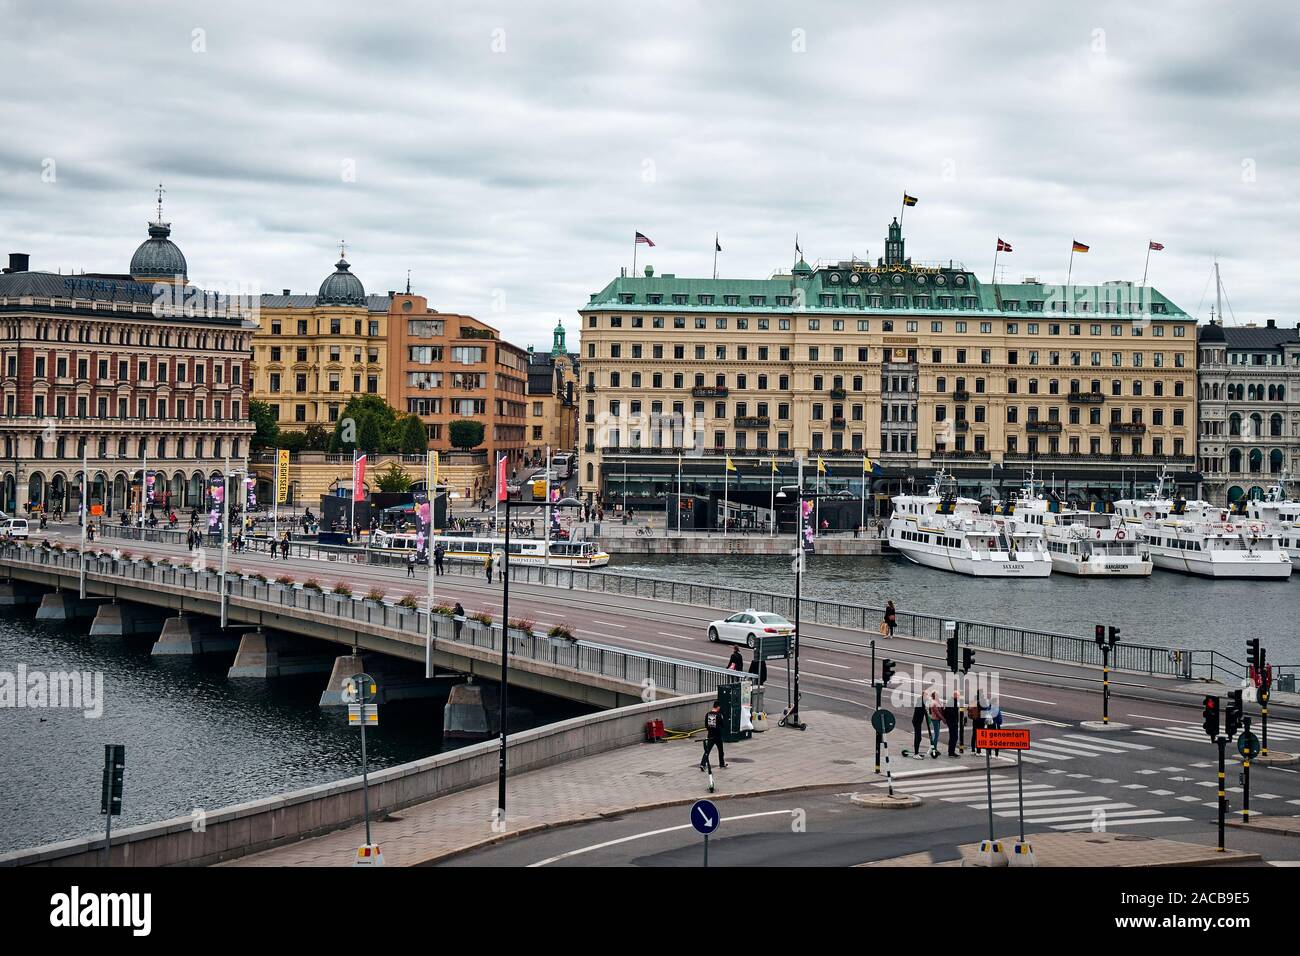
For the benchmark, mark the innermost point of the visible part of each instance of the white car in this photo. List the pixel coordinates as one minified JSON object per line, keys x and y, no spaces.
{"x":14,"y":528}
{"x":747,"y":626}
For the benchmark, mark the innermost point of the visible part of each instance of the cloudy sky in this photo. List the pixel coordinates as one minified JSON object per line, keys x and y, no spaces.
{"x":506,"y":153}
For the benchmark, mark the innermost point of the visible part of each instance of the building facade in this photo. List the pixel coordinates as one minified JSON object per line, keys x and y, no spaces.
{"x":443,"y":367}
{"x":1249,"y":381}
{"x":311,"y":353}
{"x":138,"y":371}
{"x":911,"y":366}
{"x":552,"y":398}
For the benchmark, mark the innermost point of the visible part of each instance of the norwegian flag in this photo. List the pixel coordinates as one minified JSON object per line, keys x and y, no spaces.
{"x":1156,"y":246}
{"x":642,"y":240}
{"x":1004,"y":246}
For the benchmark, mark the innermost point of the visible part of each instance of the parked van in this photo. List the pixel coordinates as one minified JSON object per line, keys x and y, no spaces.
{"x":13,"y":528}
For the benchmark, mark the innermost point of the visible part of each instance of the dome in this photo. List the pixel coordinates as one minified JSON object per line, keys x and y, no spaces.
{"x":341,"y":287}
{"x":1212,"y":333}
{"x":158,"y":257}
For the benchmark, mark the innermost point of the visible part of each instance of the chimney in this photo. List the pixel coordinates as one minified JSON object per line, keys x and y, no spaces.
{"x":1272,"y":323}
{"x":18,"y":262}
{"x":286,"y":291}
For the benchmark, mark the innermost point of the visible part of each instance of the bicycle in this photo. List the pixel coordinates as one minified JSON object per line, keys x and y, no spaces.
{"x":645,"y":532}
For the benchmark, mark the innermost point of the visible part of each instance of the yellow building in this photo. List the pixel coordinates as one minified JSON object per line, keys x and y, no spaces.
{"x":311,"y":353}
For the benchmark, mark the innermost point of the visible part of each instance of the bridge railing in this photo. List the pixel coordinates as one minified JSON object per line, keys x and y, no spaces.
{"x":651,"y":672}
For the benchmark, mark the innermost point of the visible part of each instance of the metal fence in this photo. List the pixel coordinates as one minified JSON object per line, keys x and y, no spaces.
{"x":409,"y":624}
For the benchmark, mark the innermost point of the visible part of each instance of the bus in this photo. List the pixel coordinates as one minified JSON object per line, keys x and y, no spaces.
{"x":564,"y":554}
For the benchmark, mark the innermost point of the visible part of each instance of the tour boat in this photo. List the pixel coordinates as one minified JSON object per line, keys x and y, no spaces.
{"x":1231,"y":547}
{"x":945,"y":531}
{"x":1279,"y":513}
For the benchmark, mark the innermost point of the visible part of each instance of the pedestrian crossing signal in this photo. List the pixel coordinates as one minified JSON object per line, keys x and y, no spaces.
{"x":952,"y":654}
{"x":1234,"y":712}
{"x":967,"y":658}
{"x":886,"y":671}
{"x":1252,"y":652}
{"x":1211,"y":716}
{"x":1099,"y":634}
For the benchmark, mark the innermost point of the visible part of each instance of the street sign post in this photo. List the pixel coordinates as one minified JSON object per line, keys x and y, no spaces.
{"x":359,"y":692}
{"x":1017,"y":739}
{"x":775,"y":646}
{"x":705,"y":818}
{"x":110,"y":801}
{"x":883,"y":721}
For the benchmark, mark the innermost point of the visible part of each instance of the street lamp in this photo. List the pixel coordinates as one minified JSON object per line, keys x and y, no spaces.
{"x":569,"y":502}
{"x":791,"y":719}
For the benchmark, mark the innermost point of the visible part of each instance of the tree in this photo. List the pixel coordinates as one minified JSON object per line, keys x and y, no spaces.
{"x":317,"y":438}
{"x":366,"y":424}
{"x":393,"y":478}
{"x":412,"y":438}
{"x":262,"y":415}
{"x":292,"y":441}
{"x":466,"y":433}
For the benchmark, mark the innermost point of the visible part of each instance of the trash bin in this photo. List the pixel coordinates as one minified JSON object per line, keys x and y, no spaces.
{"x":1286,"y":683}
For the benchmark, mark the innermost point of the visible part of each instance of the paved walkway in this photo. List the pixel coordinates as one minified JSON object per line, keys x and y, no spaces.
{"x":834,"y":750}
{"x":1095,"y":849}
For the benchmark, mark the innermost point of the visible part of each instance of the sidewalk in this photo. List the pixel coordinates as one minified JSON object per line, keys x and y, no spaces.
{"x":833,"y":751}
{"x":1095,"y":849}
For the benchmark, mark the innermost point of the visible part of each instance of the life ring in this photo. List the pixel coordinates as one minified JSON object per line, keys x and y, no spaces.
{"x":992,"y":544}
{"x":1147,"y":516}
{"x":1254,"y":528}
{"x":1099,"y":532}
{"x":1227,"y":527}
{"x":1119,"y":535}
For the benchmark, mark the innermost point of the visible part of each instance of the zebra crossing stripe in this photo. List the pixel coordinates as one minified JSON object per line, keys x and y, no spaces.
{"x":1037,"y":793}
{"x":1047,"y":802}
{"x":1048,"y":811}
{"x":1042,"y":752}
{"x":1055,"y":746}
{"x":1091,"y":742}
{"x":942,"y":790}
{"x":1122,"y":823}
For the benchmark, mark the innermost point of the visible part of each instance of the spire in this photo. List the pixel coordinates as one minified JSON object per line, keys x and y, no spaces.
{"x":408,"y":281}
{"x":343,"y":250}
{"x":558,"y":349}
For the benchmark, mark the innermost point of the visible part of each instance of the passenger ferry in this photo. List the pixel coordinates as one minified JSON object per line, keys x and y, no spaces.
{"x":564,"y":554}
{"x":1228,"y":548}
{"x":1281,"y":514}
{"x":945,"y":531}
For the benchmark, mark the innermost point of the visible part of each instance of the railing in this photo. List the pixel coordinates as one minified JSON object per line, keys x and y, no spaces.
{"x":409,"y":624}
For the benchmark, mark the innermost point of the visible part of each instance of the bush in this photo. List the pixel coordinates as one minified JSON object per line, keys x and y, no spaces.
{"x":408,"y":601}
{"x":341,"y":589}
{"x":445,"y":610}
{"x":311,"y":584}
{"x":284,"y":580}
{"x":524,"y":624}
{"x":58,"y":546}
{"x":483,"y":617}
{"x":259,"y":577}
{"x":562,"y":630}
{"x":376,"y":595}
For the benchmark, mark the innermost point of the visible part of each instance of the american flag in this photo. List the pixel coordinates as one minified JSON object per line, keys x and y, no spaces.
{"x":1004,"y":246}
{"x":643,"y":240}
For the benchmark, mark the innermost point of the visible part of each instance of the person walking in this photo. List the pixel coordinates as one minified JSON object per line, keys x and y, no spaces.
{"x":439,"y":552}
{"x":759,"y":669}
{"x":487,"y":567}
{"x":993,"y":716}
{"x":918,"y":721}
{"x":950,"y":716}
{"x":934,"y":714}
{"x":891,"y":619}
{"x":498,"y":563}
{"x":975,"y":712}
{"x":735,"y":662}
{"x":410,"y":564}
{"x":284,"y":546}
{"x":713,"y":727}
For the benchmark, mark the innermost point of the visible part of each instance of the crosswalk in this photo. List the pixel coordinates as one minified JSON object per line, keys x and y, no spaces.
{"x":1278,"y":731}
{"x":1045,"y":750}
{"x":1059,"y":808}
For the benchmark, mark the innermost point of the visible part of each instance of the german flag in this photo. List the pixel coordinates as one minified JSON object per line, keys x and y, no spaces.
{"x":1079,"y":247}
{"x":909,"y":200}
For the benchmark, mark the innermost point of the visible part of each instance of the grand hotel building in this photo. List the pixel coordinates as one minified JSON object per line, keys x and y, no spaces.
{"x":913,"y":366}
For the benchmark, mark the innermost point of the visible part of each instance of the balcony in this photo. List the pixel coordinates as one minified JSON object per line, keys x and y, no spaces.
{"x":838,"y":394}
{"x":961,"y":396}
{"x":753,"y":421}
{"x":709,"y":391}
{"x":1128,"y":428}
{"x":589,"y":447}
{"x":591,"y":417}
{"x":962,"y":425}
{"x":1050,"y":428}
{"x":590,"y":386}
{"x":839,"y":423}
{"x":1085,"y":398}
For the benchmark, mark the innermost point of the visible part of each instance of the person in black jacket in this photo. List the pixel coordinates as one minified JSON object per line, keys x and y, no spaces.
{"x":713,"y":725}
{"x":950,"y":712}
{"x":735,"y":662}
{"x":918,"y":721}
{"x":759,"y":669}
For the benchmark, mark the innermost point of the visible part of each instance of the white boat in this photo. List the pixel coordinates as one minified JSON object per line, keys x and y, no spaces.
{"x":563,"y":554}
{"x":946,"y":531}
{"x":1093,"y":544}
{"x":1280,"y":513}
{"x":1230,"y":548}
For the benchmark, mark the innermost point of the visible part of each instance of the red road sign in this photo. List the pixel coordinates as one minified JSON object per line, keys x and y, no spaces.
{"x":1002,"y":739}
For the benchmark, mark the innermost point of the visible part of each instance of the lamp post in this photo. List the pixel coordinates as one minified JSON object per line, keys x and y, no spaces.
{"x":505,"y":642}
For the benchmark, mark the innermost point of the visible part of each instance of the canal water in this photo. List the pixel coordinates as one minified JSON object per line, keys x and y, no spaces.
{"x":193,"y":738}
{"x":1165,"y":609}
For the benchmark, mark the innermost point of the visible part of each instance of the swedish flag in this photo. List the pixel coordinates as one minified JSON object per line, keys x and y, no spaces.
{"x":909,"y":200}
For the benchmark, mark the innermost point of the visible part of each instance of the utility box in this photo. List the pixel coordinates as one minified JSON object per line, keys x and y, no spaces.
{"x":729,"y":698}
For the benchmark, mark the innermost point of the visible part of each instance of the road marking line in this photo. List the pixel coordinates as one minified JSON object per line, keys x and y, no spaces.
{"x":1032,"y":700}
{"x":1059,"y":802}
{"x":1080,"y":814}
{"x":1167,"y":720}
{"x":829,"y":664}
{"x":1037,"y":720}
{"x":1113,"y":743}
{"x":642,"y":836}
{"x":1122,"y":823}
{"x":609,"y":624}
{"x":678,"y":636}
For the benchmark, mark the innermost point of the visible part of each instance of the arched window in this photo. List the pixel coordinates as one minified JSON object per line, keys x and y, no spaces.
{"x":1256,"y":425}
{"x":1234,"y":460}
{"x":1275,"y":426}
{"x":1234,"y":425}
{"x":1256,"y":461}
{"x":1275,"y":461}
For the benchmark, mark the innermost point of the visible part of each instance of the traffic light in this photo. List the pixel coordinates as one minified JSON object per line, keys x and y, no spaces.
{"x":1099,"y":633}
{"x":1232,"y":715}
{"x":1114,"y":635}
{"x":114,"y":768}
{"x":1211,"y":715}
{"x":1252,"y":653}
{"x":952,"y":654}
{"x":967,"y":658}
{"x":886,"y":671}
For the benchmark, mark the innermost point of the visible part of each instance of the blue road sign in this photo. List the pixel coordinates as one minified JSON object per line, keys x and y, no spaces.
{"x":705,"y":817}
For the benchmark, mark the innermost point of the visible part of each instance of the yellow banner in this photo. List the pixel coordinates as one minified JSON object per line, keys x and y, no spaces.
{"x":282,"y":476}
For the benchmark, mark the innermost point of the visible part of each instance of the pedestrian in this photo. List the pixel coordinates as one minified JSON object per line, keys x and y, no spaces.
{"x":498,"y":562}
{"x":950,"y":715}
{"x":410,"y":564}
{"x":891,"y":619}
{"x":934,"y":714}
{"x":713,"y":727}
{"x":993,"y":716}
{"x":975,"y":712}
{"x":458,"y":611}
{"x":438,"y":553}
{"x":284,"y":546}
{"x":90,"y":531}
{"x":487,"y":567}
{"x":735,"y":662}
{"x":918,"y":720}
{"x":759,"y":668}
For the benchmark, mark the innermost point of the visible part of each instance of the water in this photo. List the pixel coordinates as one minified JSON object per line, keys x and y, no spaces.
{"x":1165,"y":609}
{"x":193,"y":738}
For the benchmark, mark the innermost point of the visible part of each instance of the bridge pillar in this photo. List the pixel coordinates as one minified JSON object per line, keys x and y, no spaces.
{"x":471,"y":712}
{"x":187,"y":634}
{"x":266,"y":653}
{"x":344,"y":667}
{"x":115,"y":619}
{"x":19,"y":593}
{"x":64,"y":606}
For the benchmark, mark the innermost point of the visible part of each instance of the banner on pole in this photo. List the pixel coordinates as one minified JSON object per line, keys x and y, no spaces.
{"x":359,"y":479}
{"x":282,"y":476}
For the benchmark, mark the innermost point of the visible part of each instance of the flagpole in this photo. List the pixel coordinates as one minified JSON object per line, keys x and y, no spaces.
{"x":901,"y":207}
{"x":862,"y":505}
{"x":1069,"y":275}
{"x":715,"y":255}
{"x":352,"y":518}
{"x":726,"y":499}
{"x":634,"y":244}
{"x":275,"y":502}
{"x":1147,"y":263}
{"x":546,"y":520}
{"x":995,"y":261}
{"x":144,"y":479}
{"x":771,"y":521}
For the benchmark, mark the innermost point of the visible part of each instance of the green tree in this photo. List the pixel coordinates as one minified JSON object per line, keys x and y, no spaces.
{"x":412,"y":438}
{"x":293,"y":441}
{"x":317,"y":438}
{"x":466,"y":433}
{"x":366,"y":424}
{"x":263,"y":416}
{"x":393,"y":478}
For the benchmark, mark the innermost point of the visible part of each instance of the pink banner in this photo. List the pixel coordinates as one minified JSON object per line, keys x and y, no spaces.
{"x":359,"y":479}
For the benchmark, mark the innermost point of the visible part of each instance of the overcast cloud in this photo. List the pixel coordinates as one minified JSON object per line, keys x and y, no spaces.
{"x":506,"y":155}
